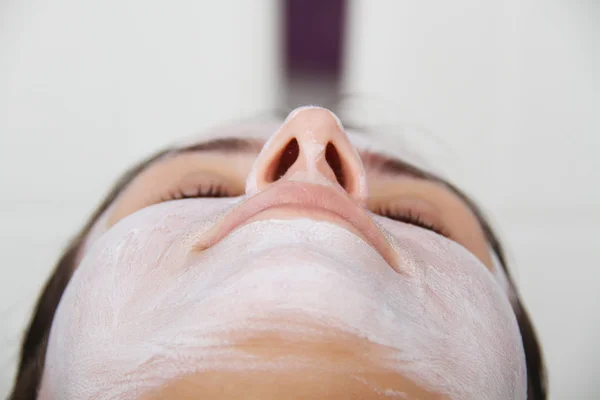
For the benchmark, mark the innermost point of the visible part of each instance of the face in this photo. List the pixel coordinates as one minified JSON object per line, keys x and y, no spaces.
{"x":306,"y":264}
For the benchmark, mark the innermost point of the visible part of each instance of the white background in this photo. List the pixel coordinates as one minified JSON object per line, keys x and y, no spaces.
{"x":502,"y":96}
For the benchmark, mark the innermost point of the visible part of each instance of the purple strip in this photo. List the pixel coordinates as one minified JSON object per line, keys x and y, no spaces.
{"x":314,"y":33}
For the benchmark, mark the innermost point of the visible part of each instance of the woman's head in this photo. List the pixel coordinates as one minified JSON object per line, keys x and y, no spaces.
{"x":311,"y":263}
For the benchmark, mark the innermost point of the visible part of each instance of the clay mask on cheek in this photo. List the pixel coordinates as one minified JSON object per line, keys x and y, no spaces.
{"x":144,"y":308}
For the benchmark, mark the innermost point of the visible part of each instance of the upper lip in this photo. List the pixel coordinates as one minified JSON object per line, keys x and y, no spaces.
{"x":309,"y":196}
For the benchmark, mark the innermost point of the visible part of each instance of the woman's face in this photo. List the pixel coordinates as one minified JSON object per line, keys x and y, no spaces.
{"x":308,"y":265}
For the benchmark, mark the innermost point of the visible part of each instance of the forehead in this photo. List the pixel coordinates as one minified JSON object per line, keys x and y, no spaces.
{"x":393,"y":146}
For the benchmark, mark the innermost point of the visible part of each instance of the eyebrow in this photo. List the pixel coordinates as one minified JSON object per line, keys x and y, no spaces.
{"x":224,"y":145}
{"x":395,"y":166}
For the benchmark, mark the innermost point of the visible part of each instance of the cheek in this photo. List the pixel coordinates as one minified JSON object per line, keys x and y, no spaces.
{"x":188,"y":218}
{"x":475,"y":244}
{"x":466,"y":316}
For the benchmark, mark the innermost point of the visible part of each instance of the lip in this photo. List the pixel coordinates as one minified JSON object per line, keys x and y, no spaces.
{"x":304,"y":197}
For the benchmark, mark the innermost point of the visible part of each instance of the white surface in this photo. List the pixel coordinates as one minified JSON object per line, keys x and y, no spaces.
{"x":507,"y":95}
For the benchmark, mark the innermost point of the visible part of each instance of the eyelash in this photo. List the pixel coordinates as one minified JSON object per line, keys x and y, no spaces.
{"x":407,"y":216}
{"x":212,"y":190}
{"x":412,"y":217}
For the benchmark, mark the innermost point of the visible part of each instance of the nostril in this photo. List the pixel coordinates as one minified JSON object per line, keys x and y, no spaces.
{"x":335,"y":163}
{"x":287,"y":158}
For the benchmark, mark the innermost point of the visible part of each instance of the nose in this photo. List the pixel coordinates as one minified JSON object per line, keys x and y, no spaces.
{"x":311,"y":146}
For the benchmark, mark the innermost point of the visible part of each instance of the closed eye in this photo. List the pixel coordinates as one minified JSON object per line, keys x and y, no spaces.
{"x":413,"y":217}
{"x":213,"y":190}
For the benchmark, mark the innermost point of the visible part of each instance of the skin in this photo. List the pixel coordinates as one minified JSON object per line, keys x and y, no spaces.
{"x":317,"y":360}
{"x":347,"y":365}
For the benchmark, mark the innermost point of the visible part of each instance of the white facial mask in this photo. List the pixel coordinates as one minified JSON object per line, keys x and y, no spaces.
{"x":143,"y":308}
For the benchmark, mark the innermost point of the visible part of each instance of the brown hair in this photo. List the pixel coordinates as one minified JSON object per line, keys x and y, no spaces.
{"x":33,"y":348}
